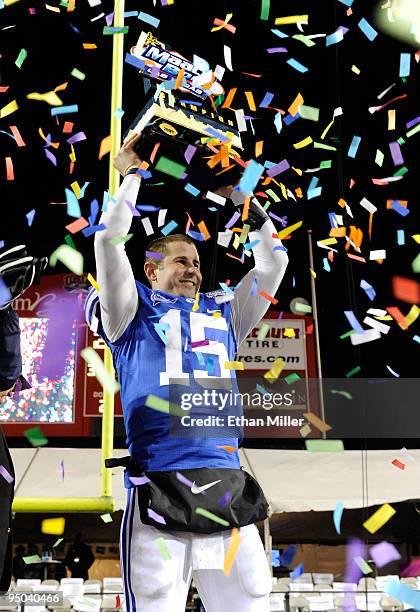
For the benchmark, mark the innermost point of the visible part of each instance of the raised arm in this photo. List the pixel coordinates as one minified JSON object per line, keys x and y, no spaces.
{"x":269,"y":268}
{"x":118,"y":294}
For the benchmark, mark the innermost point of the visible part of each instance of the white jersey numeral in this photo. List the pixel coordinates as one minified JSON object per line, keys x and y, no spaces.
{"x":199,"y":322}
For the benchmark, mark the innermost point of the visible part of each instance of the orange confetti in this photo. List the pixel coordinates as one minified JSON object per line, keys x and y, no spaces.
{"x":245,"y":210}
{"x":232,"y":551}
{"x":10,"y":175}
{"x":19,"y":140}
{"x":105,"y":147}
{"x":396,"y":314}
{"x":406,"y":289}
{"x":294,"y":107}
{"x":223,"y":23}
{"x":229,"y":98}
{"x":337,"y":232}
{"x":268,"y":297}
{"x":317,"y":422}
{"x":61,"y":87}
{"x":89,"y":46}
{"x":71,"y":5}
{"x":4,"y":88}
{"x":258,"y":148}
{"x":229,"y":449}
{"x":179,"y":78}
{"x":250,"y":100}
{"x":203,"y":229}
{"x":77,"y":225}
{"x":68,"y":126}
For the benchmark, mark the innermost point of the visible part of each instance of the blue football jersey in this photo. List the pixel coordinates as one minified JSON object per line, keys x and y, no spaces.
{"x":170,"y":339}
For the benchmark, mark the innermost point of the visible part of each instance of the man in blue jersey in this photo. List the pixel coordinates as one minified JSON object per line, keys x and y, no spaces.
{"x":157,"y":334}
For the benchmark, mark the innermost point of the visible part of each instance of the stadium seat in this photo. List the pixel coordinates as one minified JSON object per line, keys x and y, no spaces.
{"x":27,"y":582}
{"x":112,"y":585}
{"x":367,"y":584}
{"x":299,"y":604}
{"x":347,"y":603}
{"x":92,"y":586}
{"x":390,"y":604}
{"x":50,"y":583}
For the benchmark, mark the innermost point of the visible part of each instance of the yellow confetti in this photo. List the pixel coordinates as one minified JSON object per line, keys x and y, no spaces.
{"x":93,"y":282}
{"x":76,"y":188}
{"x":232,"y":551}
{"x":54,"y":9}
{"x":312,"y":272}
{"x":289,"y":332}
{"x":379,"y":518}
{"x":288,"y":230}
{"x":195,"y":305}
{"x":391,"y":119}
{"x":303,"y":143}
{"x":412,"y":315}
{"x":291,"y":19}
{"x":50,"y":97}
{"x":53,"y":526}
{"x":354,"y":69}
{"x":416,"y":238}
{"x":8,"y":109}
{"x":328,"y":241}
{"x":273,"y":374}
{"x":234,"y":365}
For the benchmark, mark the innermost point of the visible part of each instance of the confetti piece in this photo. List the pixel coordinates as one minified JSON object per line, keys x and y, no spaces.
{"x":169,"y":227}
{"x":367,"y":29}
{"x":58,"y":542}
{"x":18,"y":138}
{"x":364,"y":567}
{"x":211,"y":517}
{"x":298,"y":571}
{"x":324,"y":446}
{"x":170,"y":167}
{"x":265,"y":10}
{"x":405,"y":59}
{"x":23,"y":54}
{"x":77,"y":225}
{"x":352,"y":152}
{"x":343,"y":393}
{"x":71,"y":258}
{"x":317,"y":422}
{"x":105,"y":146}
{"x":288,"y":230}
{"x":227,"y":54}
{"x":161,"y":405}
{"x":234,"y":365}
{"x":406,"y":289}
{"x":53,"y":526}
{"x":103,"y":376}
{"x":8,"y":477}
{"x":61,"y":110}
{"x":155,"y":516}
{"x":107,"y":518}
{"x":291,"y":378}
{"x":163,"y":548}
{"x":398,"y":464}
{"x":232,"y":551}
{"x":35,"y":436}
{"x":379,"y":518}
{"x":297,"y":65}
{"x":263,"y":331}
{"x":32,"y":559}
{"x":250,"y":177}
{"x":8,"y":109}
{"x":10,"y":175}
{"x":337,"y":514}
{"x":291,"y":19}
{"x":289,"y":554}
{"x":153,"y":21}
{"x":274,"y":372}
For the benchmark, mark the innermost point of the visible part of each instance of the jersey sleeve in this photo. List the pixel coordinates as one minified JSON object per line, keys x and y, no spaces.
{"x":270,"y":261}
{"x":10,"y":354}
{"x":117,"y":296}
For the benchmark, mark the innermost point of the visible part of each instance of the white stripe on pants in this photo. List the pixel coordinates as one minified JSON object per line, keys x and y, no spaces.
{"x":153,"y":584}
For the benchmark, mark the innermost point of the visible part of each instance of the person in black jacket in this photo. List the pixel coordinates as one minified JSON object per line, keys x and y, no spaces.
{"x":18,"y":271}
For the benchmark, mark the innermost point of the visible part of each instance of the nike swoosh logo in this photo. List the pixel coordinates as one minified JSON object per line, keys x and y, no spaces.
{"x":195,"y":489}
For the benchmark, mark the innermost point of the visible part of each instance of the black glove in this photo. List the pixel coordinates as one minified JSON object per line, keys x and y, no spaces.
{"x":18,"y":271}
{"x":256,"y":214}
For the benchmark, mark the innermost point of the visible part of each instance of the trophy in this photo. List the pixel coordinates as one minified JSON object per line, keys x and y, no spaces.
{"x":180,"y":121}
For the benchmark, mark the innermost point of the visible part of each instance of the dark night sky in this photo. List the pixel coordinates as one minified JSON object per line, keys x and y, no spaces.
{"x":55,"y":47}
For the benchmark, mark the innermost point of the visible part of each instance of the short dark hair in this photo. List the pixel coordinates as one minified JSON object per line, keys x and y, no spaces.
{"x":160,"y":245}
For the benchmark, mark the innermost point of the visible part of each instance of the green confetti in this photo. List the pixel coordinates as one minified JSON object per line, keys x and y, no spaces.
{"x":265,"y":9}
{"x":32,"y":559}
{"x":308,"y":112}
{"x":415,"y":264}
{"x":352,"y":372}
{"x":78,"y":74}
{"x":304,"y":39}
{"x":111,"y":30}
{"x":23,"y":54}
{"x":71,"y":258}
{"x":326,"y":163}
{"x":321,"y":145}
{"x":413,"y":131}
{"x":70,"y":242}
{"x":163,"y":548}
{"x":401,"y":171}
{"x":170,"y":167}
{"x":273,"y":195}
{"x":291,"y":378}
{"x":365,"y":568}
{"x":107,"y":518}
{"x":263,"y":331}
{"x":401,"y":140}
{"x":58,"y":542}
{"x":324,"y":446}
{"x":379,"y":158}
{"x":161,"y":405}
{"x":121,"y":239}
{"x":343,"y":393}
{"x":35,"y":436}
{"x":347,"y":334}
{"x":106,"y":379}
{"x":300,"y":307}
{"x":211,"y":516}
{"x":218,"y":101}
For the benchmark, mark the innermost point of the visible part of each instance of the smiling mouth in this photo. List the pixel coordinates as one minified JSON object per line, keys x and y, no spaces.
{"x":189,"y":282}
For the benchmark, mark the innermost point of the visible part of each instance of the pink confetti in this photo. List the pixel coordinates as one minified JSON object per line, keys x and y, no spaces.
{"x":199,"y":343}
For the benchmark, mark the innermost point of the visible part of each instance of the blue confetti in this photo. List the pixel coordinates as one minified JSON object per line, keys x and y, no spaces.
{"x":191,"y":189}
{"x":134,"y":61}
{"x":88,"y":231}
{"x":368,"y":289}
{"x":266,"y":100}
{"x":298,"y":571}
{"x":354,"y":146}
{"x":169,"y":227}
{"x":351,"y":318}
{"x":297,"y":65}
{"x":250,"y":177}
{"x":405,"y":59}
{"x":288,"y":555}
{"x":400,"y":237}
{"x":94,"y":209}
{"x":73,"y":207}
{"x":290,"y":118}
{"x":30,"y":216}
{"x":401,"y":210}
{"x":367,"y":29}
{"x":153,"y":21}
{"x":279,"y":33}
{"x":326,"y":265}
{"x":61,"y":110}
{"x":338,"y":513}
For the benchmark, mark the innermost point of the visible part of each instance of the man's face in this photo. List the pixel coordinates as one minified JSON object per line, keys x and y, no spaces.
{"x":178,"y":272}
